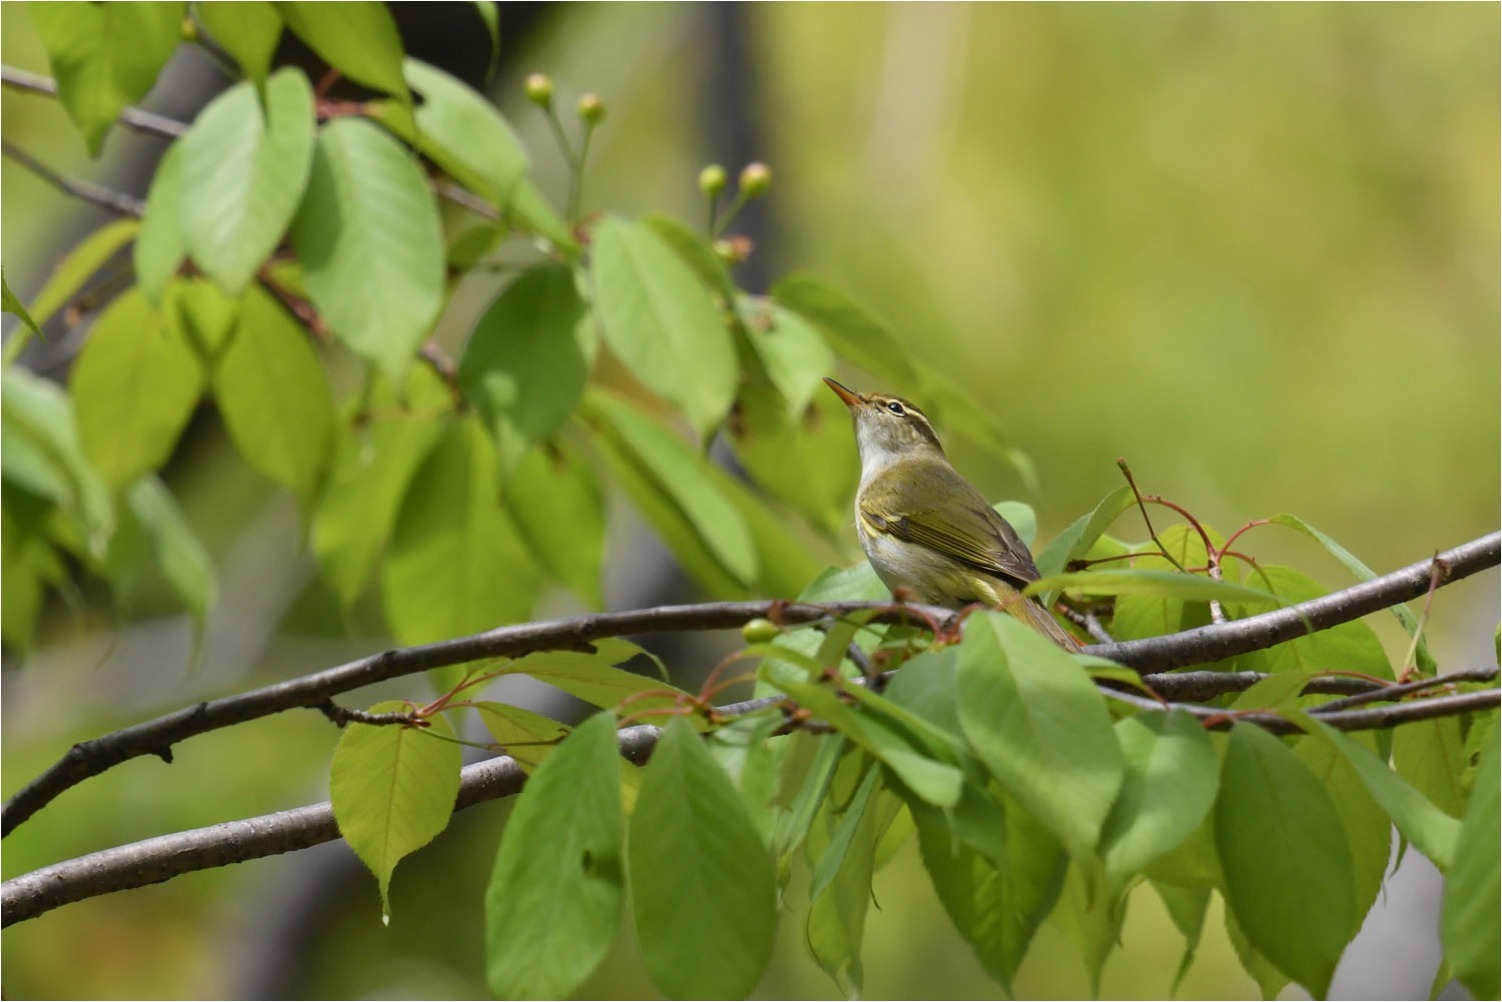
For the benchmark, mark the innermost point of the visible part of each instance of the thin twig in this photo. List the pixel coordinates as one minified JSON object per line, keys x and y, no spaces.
{"x":113,"y":201}
{"x":135,"y":118}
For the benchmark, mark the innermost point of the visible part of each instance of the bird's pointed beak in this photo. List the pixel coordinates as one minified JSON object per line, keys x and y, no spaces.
{"x":849,"y":396}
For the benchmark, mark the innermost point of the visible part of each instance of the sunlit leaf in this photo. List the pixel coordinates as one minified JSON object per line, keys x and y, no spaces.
{"x":369,"y":240}
{"x":160,"y":248}
{"x":393,"y":789}
{"x":559,"y":508}
{"x":358,"y":38}
{"x":248,"y":31}
{"x":106,"y":56}
{"x":243,"y":170}
{"x":1470,"y":927}
{"x":554,"y":901}
{"x":79,"y":264}
{"x":702,"y":935}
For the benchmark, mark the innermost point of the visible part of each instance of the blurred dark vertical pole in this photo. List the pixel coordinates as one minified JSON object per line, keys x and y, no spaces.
{"x":731,"y":113}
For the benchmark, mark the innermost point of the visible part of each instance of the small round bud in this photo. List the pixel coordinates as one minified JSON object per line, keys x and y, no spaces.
{"x":539,"y":88}
{"x":591,"y":109}
{"x":756,"y":178}
{"x":733,"y":250}
{"x":712,"y":180}
{"x":759,"y":631}
{"x":189,"y":30}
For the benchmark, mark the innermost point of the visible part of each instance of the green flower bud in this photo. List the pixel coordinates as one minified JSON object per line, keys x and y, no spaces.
{"x":712,"y":180}
{"x":756,"y":178}
{"x":760,"y":631}
{"x":539,"y":88}
{"x":591,"y":109}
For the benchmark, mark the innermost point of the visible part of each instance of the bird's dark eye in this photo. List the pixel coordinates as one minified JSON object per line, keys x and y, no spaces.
{"x":895,"y":408}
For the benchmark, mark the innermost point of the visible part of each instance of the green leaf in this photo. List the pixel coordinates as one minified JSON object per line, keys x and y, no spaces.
{"x":1362,"y":573}
{"x":1368,"y":827}
{"x":359,"y":39}
{"x":82,"y":261}
{"x":160,"y":247}
{"x":455,"y":565}
{"x":490,"y":14}
{"x":840,"y":896}
{"x":13,"y":305}
{"x":182,"y":559}
{"x":854,"y":334}
{"x":995,"y":904}
{"x":459,"y":130}
{"x":794,"y":355}
{"x":244,"y":168}
{"x":527,"y":360}
{"x":41,"y":453}
{"x":376,"y":456}
{"x":1276,"y":828}
{"x":590,"y":676}
{"x":106,"y":56}
{"x":274,"y":397}
{"x":135,"y":384}
{"x":1470,"y":928}
{"x":701,"y":883}
{"x":1036,"y":720}
{"x":657,"y":317}
{"x":554,"y":901}
{"x":696,"y":252}
{"x":248,"y":31}
{"x":1172,"y":773}
{"x":530,"y":211}
{"x":1186,"y":906}
{"x":1431,"y":755}
{"x":681,"y":478}
{"x":526,"y":736}
{"x":1077,"y":541}
{"x":1159,"y":584}
{"x":369,"y":240}
{"x":559,"y":508}
{"x":393,"y":789}
{"x":1090,"y":919}
{"x":1420,"y":822}
{"x":26,"y":560}
{"x":204,"y":315}
{"x":808,"y":461}
{"x":1352,"y":646}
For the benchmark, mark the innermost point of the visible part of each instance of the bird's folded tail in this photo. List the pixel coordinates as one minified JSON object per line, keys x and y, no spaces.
{"x":1033,"y":614}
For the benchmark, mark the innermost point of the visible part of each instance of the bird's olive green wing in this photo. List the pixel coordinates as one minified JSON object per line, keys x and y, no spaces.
{"x":944,"y":513}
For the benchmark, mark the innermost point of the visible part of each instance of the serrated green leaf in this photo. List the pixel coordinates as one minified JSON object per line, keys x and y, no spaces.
{"x":243,"y":172}
{"x":454,"y":565}
{"x":996,"y":900}
{"x":554,"y":901}
{"x":526,"y":736}
{"x":681,"y":477}
{"x":592,"y":677}
{"x":393,"y":789}
{"x":658,"y":319}
{"x":701,"y":935}
{"x":1076,"y":541}
{"x":1172,"y":773}
{"x":359,"y":39}
{"x":106,"y":56}
{"x":1270,"y":980}
{"x":1186,"y":906}
{"x":370,"y":243}
{"x":135,"y":384}
{"x":12,"y":304}
{"x":559,"y":508}
{"x":853,"y":333}
{"x":1470,"y":927}
{"x":375,"y":458}
{"x":1367,"y":826}
{"x":1276,"y":828}
{"x":274,"y":397}
{"x":1430,"y":829}
{"x":1362,"y":573}
{"x":160,"y":248}
{"x":79,"y":264}
{"x":528,"y":359}
{"x":1036,"y":720}
{"x":248,"y":31}
{"x":459,"y":130}
{"x":1431,"y":755}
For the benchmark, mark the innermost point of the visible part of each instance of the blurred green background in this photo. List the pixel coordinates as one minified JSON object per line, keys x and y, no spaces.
{"x":1254,"y":250}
